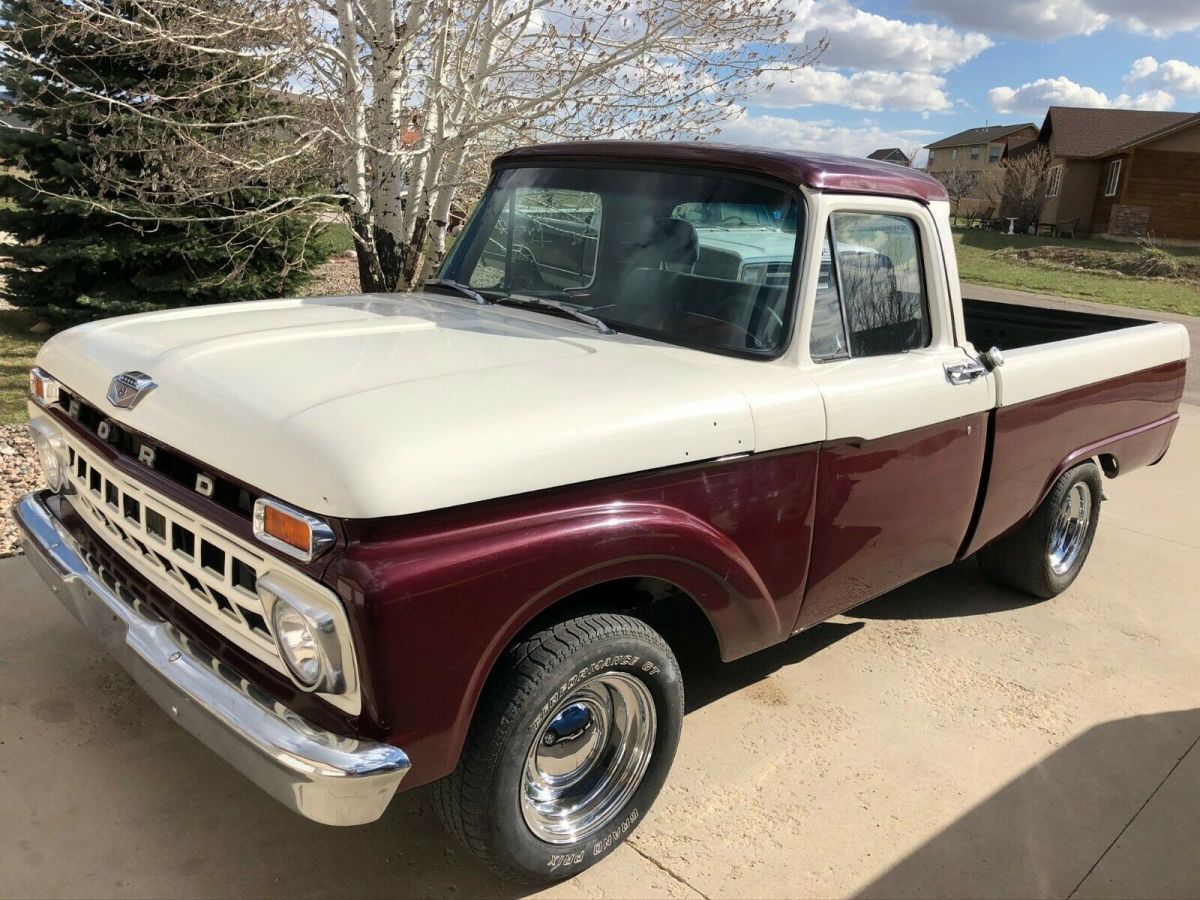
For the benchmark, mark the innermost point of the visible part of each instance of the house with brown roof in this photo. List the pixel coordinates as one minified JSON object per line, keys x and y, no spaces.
{"x":892,"y":155}
{"x":961,"y":159}
{"x":1123,"y":173}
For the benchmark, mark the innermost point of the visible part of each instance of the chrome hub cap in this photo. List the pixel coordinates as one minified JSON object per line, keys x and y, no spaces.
{"x":588,"y":758}
{"x":1070,"y":528}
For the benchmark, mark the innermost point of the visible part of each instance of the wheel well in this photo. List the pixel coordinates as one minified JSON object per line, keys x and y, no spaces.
{"x":665,"y":607}
{"x":1110,"y":465}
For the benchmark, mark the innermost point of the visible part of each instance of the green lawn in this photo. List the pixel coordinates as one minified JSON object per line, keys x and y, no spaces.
{"x":335,"y":238}
{"x":979,"y":263}
{"x":17,"y":349}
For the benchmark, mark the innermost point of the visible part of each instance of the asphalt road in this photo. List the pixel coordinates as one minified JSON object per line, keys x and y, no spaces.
{"x":948,"y":739}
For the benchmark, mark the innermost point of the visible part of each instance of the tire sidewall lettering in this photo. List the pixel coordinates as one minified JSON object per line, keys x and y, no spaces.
{"x":603,"y":665}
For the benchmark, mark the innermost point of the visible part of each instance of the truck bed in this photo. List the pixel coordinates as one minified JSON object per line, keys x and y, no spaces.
{"x":1009,"y":326}
{"x":1072,"y":386}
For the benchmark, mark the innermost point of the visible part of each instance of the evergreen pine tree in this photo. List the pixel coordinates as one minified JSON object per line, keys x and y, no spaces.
{"x":100,"y":229}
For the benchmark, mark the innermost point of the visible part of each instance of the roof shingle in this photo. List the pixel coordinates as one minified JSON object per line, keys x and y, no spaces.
{"x":1085,"y":132}
{"x":978,"y":135}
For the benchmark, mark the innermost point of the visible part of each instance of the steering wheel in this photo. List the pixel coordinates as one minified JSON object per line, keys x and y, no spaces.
{"x":725,"y":325}
{"x":719,"y":315}
{"x":737,"y":220}
{"x":526,"y":274}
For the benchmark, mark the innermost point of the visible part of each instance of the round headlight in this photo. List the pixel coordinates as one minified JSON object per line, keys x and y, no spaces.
{"x":50,"y":454}
{"x":297,"y":640}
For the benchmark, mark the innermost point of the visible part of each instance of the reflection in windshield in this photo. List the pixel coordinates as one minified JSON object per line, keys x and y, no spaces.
{"x":699,"y":260}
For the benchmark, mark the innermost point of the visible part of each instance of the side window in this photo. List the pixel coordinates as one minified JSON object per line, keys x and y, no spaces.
{"x":543,"y":239}
{"x":827,"y":338}
{"x":879,"y":282}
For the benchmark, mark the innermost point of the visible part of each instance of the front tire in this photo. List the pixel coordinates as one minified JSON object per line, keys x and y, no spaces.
{"x":570,"y":745}
{"x":1045,"y":554}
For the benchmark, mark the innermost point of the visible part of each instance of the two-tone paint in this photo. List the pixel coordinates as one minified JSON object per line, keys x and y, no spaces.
{"x":482,"y":465}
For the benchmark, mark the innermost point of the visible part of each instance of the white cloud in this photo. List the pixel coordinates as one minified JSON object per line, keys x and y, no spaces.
{"x":1045,"y":19}
{"x":823,"y":135}
{"x":915,"y":91}
{"x":1157,"y":17}
{"x":863,"y":40}
{"x":1174,"y":75}
{"x":1141,"y":68}
{"x":1034,"y":96}
{"x":1049,"y":20}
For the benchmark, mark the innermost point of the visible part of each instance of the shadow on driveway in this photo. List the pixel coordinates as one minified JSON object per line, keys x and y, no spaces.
{"x":1047,"y":833}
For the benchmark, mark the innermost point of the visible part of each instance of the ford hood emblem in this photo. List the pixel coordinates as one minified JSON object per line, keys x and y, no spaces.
{"x":128,"y":388}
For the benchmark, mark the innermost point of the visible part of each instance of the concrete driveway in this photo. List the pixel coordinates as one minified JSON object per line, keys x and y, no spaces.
{"x":949,"y":739}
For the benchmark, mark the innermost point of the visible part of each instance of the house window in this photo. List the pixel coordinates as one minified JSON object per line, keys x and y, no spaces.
{"x":932,"y":153}
{"x":954,"y":153}
{"x":1055,"y":179}
{"x":994,"y":152}
{"x":1114,"y":177}
{"x":975,"y":151}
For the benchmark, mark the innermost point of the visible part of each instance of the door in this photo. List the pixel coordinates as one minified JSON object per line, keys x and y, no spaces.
{"x":906,"y":409}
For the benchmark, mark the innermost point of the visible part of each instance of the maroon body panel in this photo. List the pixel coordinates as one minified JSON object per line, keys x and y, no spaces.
{"x":819,"y":171}
{"x":1131,"y":417}
{"x":891,"y":510}
{"x":765,"y":544}
{"x":444,"y":593}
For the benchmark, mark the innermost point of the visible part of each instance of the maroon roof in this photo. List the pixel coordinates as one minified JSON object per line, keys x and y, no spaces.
{"x":819,"y":171}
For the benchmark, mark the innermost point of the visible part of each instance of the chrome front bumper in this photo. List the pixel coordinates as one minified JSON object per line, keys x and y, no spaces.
{"x":325,"y":777}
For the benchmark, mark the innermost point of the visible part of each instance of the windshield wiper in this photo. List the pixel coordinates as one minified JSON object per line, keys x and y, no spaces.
{"x":525,"y":300}
{"x":460,"y":288}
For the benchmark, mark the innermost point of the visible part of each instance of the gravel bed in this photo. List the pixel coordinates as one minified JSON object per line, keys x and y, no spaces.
{"x":20,"y":473}
{"x":335,"y":277}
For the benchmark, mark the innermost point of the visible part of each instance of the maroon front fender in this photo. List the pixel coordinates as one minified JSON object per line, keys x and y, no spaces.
{"x":438,"y":597}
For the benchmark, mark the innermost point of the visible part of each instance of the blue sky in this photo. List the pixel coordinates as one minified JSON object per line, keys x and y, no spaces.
{"x":906,"y":72}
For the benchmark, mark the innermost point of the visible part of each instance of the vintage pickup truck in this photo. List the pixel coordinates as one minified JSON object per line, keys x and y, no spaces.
{"x":362,"y":544}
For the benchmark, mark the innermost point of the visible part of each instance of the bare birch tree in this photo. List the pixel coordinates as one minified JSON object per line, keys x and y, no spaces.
{"x":1016,"y":186}
{"x":959,"y":182}
{"x":464,"y":78}
{"x":399,"y":104}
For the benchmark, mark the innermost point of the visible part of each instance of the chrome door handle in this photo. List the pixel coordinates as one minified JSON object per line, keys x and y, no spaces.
{"x":964,"y":372}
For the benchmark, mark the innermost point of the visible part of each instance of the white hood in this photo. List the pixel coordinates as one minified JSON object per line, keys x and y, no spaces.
{"x":384,"y":405}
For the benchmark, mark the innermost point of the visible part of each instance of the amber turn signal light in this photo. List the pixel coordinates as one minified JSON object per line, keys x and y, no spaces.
{"x":286,"y":528}
{"x":290,"y":530}
{"x":42,"y":387}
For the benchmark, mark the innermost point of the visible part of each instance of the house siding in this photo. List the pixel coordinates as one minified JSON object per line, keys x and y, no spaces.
{"x":1076,"y":193}
{"x":1102,"y":216}
{"x":975,"y":200}
{"x":1167,"y":184}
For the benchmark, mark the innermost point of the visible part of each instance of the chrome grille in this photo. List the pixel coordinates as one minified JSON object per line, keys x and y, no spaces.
{"x":136,"y":601}
{"x":205,"y":569}
{"x":778,"y":274}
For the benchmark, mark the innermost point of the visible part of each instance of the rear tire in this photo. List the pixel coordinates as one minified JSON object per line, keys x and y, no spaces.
{"x":1045,"y":554}
{"x":571,"y":742}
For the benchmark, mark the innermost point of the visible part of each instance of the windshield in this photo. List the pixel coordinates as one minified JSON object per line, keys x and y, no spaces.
{"x":690,"y":258}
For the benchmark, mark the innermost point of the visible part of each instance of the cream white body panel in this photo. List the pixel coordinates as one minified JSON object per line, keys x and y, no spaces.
{"x":874,"y":397}
{"x":386,"y":405}
{"x":1032,"y":372}
{"x":884,"y":395}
